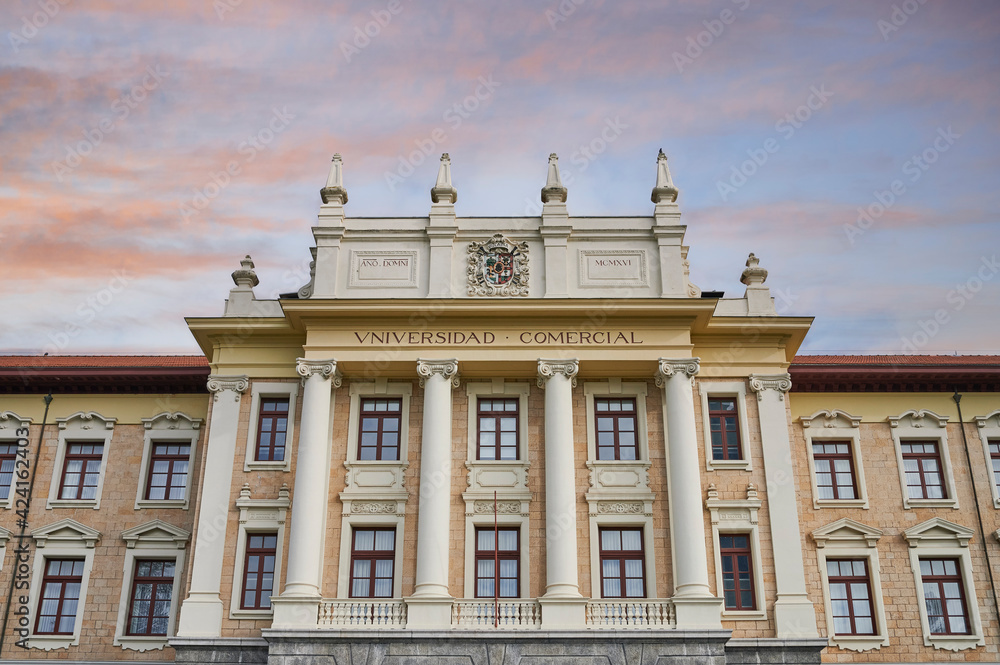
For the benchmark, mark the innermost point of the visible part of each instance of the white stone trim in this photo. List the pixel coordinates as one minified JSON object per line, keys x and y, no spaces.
{"x":65,"y":539}
{"x":499,"y":388}
{"x":737,"y":389}
{"x":5,"y":535}
{"x":263,"y":389}
{"x":258,"y":516}
{"x":81,"y":427}
{"x":940,"y":538}
{"x":349,"y":522}
{"x":914,"y":425}
{"x":989,"y":428}
{"x":835,"y":425}
{"x":174,"y":428}
{"x":10,"y":425}
{"x":152,"y":540}
{"x":738,"y":516}
{"x":519,"y":520}
{"x":617,"y":388}
{"x":358,"y":470}
{"x":636,"y":514}
{"x":847,"y":539}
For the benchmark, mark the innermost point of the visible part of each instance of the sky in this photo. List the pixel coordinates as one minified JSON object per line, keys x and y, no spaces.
{"x":147,"y":146}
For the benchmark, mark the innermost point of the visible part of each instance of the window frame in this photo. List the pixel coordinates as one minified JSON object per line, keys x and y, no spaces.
{"x":260,"y":390}
{"x":373,"y":556}
{"x":497,"y":415}
{"x":836,"y":425}
{"x":920,"y":456}
{"x":82,"y":427}
{"x":87,"y":458}
{"x":171,"y":460}
{"x":733,"y":553}
{"x":10,"y":425}
{"x":362,"y":414}
{"x":6,"y":501}
{"x":277,"y":413}
{"x":941,"y":580}
{"x":48,"y":578}
{"x":848,"y":581}
{"x":616,"y":431}
{"x":380,"y":388}
{"x":708,"y":389}
{"x":738,"y":516}
{"x":248,"y":552}
{"x":722,"y":414}
{"x":260,"y":515}
{"x":834,"y":472}
{"x":501,"y":555}
{"x":622,"y":556}
{"x":616,"y":388}
{"x":988,"y":427}
{"x":923,"y":425}
{"x":177,"y":428}
{"x":156,"y":582}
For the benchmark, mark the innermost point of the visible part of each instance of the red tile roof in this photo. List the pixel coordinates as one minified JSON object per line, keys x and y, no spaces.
{"x":102,"y":361}
{"x":913,"y":361}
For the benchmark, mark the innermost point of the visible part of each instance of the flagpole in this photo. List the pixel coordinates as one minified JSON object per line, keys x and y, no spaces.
{"x":496,"y":565}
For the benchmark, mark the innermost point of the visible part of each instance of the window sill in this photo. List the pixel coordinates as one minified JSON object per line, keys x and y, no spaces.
{"x":161,"y":503}
{"x":728,"y":464}
{"x":744,"y":615}
{"x":953,"y":642}
{"x":930,"y":503}
{"x":50,"y":642}
{"x":859,"y":642}
{"x":73,"y":503}
{"x":266,"y":466}
{"x":141,"y":643}
{"x":264,"y":615}
{"x":840,"y":503}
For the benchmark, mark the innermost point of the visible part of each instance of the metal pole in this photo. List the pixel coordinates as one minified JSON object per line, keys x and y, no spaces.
{"x":496,"y":565}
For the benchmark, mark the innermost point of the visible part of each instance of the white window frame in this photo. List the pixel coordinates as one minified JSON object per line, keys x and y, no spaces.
{"x":81,"y":427}
{"x":65,"y":539}
{"x":376,"y":389}
{"x":989,"y":428}
{"x":258,"y":516}
{"x":367,"y":518}
{"x":848,"y":539}
{"x":10,"y":423}
{"x":262,"y":390}
{"x":617,"y":388}
{"x":499,"y":388}
{"x":939,"y":538}
{"x":153,"y":540}
{"x":5,"y":535}
{"x":738,"y":516}
{"x":167,"y":427}
{"x":923,"y":425}
{"x":607,"y":516}
{"x":485,"y":521}
{"x":737,"y":389}
{"x":836,"y":425}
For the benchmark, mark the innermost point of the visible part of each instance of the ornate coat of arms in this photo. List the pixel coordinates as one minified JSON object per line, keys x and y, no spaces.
{"x":498,"y":267}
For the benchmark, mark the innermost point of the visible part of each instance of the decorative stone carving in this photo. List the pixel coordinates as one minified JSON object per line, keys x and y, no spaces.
{"x":620,"y":508}
{"x":918,"y":418}
{"x":753,"y":274}
{"x":443,"y":191}
{"x":548,"y":368}
{"x":446,"y":368}
{"x":664,"y":191}
{"x":325,"y":368}
{"x":373,"y":507}
{"x":218,"y":383}
{"x":831,"y":419}
{"x":761,"y":382}
{"x":502,"y":507}
{"x":245,"y":275}
{"x":668,"y":367}
{"x":498,"y":267}
{"x":334,"y":191}
{"x":554,"y":191}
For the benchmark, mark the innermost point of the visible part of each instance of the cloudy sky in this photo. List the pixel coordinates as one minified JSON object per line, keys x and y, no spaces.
{"x":853,"y":146}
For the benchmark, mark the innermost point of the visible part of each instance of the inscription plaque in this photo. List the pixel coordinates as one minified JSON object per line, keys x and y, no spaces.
{"x":375,"y":269}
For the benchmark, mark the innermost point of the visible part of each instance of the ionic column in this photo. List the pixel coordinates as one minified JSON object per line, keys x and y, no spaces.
{"x":693,"y":599}
{"x":431,"y":602}
{"x":794,"y":615}
{"x":299,"y":602}
{"x":201,"y":612}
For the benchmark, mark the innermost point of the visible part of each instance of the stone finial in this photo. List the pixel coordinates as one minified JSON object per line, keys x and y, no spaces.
{"x":443,"y":191}
{"x":245,"y":491}
{"x":751,"y":491}
{"x":753,"y":274}
{"x":334,"y":191}
{"x":664,"y":191}
{"x":713,"y":492}
{"x":553,"y":190}
{"x":283,"y":492}
{"x":245,"y":278}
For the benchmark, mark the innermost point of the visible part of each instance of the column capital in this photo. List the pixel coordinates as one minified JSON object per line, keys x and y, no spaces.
{"x":549,"y":367}
{"x":447,"y":368}
{"x":779,"y":382}
{"x":325,"y":368}
{"x":217,"y":383}
{"x":668,"y":367}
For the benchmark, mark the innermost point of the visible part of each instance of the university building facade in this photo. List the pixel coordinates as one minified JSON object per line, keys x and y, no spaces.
{"x":500,"y":440}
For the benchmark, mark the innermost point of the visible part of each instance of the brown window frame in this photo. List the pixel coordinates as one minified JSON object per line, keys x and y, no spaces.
{"x":832,"y":458}
{"x":848,"y":581}
{"x":498,"y":556}
{"x":83,"y":473}
{"x":171,"y":459}
{"x":261,"y":554}
{"x":372,"y":556}
{"x":63,"y":580}
{"x":940,"y":581}
{"x":994,"y":448}
{"x":621,"y":556}
{"x":270,"y":448}
{"x":382,"y":417}
{"x":920,"y":468}
{"x":156,"y":581}
{"x":496,"y":416}
{"x":617,"y":417}
{"x":718,"y":416}
{"x":8,"y":458}
{"x":733,"y":553}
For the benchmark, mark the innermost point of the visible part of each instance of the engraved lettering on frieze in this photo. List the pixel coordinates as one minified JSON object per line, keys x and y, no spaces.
{"x":264,"y":515}
{"x":502,"y":507}
{"x":740,"y":516}
{"x":374,"y":507}
{"x":389,"y":268}
{"x":613,"y":267}
{"x":620,"y":508}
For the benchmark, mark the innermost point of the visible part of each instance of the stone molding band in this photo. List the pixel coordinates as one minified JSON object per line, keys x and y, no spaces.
{"x":548,"y":367}
{"x":447,"y":368}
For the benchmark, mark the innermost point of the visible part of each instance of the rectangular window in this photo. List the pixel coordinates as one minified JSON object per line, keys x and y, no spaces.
{"x":737,"y":572}
{"x":168,"y":471}
{"x":373,"y":552}
{"x":272,"y":427}
{"x":258,"y":571}
{"x":623,"y":564}
{"x":60,"y":596}
{"x":616,"y":428}
{"x":724,"y":424}
{"x":922,"y":464}
{"x":81,"y":471}
{"x":381,"y":418}
{"x":944,"y":597}
{"x":505,"y":582}
{"x":994,"y":458}
{"x":152,"y":588}
{"x":851,"y":597}
{"x":834,"y":470}
{"x":498,"y":435}
{"x":8,"y":452}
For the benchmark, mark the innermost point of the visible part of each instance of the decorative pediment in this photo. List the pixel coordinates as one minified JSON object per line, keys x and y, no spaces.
{"x":917,"y":418}
{"x":65,"y":531}
{"x":11,"y":421}
{"x":5,"y":535}
{"x":87,"y":420}
{"x":171,"y":421}
{"x":991,"y":421}
{"x":156,"y":533}
{"x":938,"y":531}
{"x":831,"y":419}
{"x":846,"y":531}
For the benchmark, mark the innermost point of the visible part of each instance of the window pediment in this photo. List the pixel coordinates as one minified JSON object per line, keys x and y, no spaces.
{"x":937,"y":531}
{"x":835,"y":419}
{"x":917,"y":418}
{"x":155,"y":533}
{"x":65,"y":531}
{"x":86,"y":420}
{"x":11,"y":421}
{"x":171,"y":421}
{"x":846,"y":531}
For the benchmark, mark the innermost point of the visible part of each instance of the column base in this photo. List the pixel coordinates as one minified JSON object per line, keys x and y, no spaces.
{"x":698,"y":613}
{"x":200,"y":616}
{"x":428,"y":613}
{"x":563,"y":613}
{"x":794,"y":616}
{"x":295,"y":611}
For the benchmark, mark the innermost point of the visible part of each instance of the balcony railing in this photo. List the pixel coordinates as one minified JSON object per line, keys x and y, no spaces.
{"x":631,"y":614}
{"x":511,"y":614}
{"x":361,"y":614}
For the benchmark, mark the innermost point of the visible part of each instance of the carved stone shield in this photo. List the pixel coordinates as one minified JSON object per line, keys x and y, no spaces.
{"x":498,"y":267}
